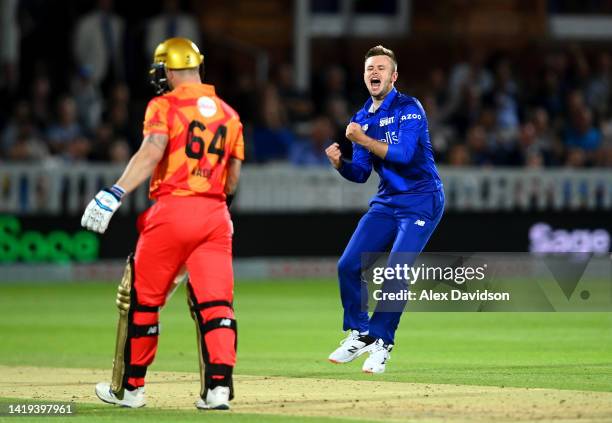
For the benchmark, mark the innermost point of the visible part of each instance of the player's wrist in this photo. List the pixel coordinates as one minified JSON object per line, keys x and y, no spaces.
{"x":116,"y":191}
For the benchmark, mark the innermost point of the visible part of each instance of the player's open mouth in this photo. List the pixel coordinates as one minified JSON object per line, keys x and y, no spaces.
{"x":375,"y":83}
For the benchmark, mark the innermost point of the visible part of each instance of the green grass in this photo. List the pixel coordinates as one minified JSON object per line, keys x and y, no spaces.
{"x":289,"y":328}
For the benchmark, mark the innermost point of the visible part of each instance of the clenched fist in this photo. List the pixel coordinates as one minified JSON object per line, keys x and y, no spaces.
{"x":354,"y":132}
{"x":334,"y":155}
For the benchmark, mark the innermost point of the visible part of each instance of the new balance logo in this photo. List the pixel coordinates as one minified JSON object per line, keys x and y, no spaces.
{"x":353,"y":349}
{"x":420,"y":223}
{"x":225,"y":322}
{"x":364,"y":128}
{"x":152,"y":330}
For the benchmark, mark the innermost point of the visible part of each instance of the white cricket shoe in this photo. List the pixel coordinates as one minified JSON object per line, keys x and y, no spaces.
{"x":131,"y":399}
{"x":351,"y":347}
{"x":216,"y":399}
{"x":379,"y":355}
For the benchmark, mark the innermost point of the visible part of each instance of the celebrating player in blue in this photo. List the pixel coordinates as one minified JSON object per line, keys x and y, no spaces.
{"x":389,"y":134}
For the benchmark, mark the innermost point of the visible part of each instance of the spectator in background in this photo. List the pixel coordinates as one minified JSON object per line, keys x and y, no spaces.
{"x":472,"y":73}
{"x":119,"y":151}
{"x":171,"y":22}
{"x":574,"y":102}
{"x":77,"y":150}
{"x":534,"y":159}
{"x":459,"y":156}
{"x":576,"y":158}
{"x":121,"y":119}
{"x":103,"y":140}
{"x":334,"y":84}
{"x":97,"y":45}
{"x":477,"y":145}
{"x":546,"y":140}
{"x":441,"y":135}
{"x":550,"y":96}
{"x":9,"y":45}
{"x":245,"y":94}
{"x":337,"y":109}
{"x":438,"y":88}
{"x":311,"y":151}
{"x":66,"y":128}
{"x":88,"y":99}
{"x":40,"y":101}
{"x":467,"y":113}
{"x":527,"y":142}
{"x":21,"y":116}
{"x":599,"y":86}
{"x":272,"y":136}
{"x":505,"y":98}
{"x":581,"y":133}
{"x":20,"y":139}
{"x":297,"y":103}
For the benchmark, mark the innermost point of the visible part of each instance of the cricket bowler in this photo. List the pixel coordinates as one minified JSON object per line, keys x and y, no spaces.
{"x":192,"y":150}
{"x":389,"y":135}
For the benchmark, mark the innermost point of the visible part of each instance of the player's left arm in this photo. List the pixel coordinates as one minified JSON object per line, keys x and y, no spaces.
{"x":356,"y":134}
{"x":234,"y":165}
{"x":233,"y":175}
{"x":411,"y":121}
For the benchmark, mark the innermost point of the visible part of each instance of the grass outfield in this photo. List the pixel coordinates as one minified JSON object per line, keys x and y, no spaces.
{"x":288,"y":329}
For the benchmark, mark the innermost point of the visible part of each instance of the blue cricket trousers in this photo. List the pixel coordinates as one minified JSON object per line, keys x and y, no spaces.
{"x":405,"y":224}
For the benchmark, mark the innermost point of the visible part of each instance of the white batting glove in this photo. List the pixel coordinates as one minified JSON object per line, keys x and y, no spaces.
{"x":100,"y":210}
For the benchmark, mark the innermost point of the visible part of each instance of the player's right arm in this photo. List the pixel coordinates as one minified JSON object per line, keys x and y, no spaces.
{"x":98,"y":213}
{"x":143,"y":162}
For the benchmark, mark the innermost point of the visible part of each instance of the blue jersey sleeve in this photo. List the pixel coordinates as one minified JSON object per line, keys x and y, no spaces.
{"x":359,"y":169}
{"x":412,"y":119}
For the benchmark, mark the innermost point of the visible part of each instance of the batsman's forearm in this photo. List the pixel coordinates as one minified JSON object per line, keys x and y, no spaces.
{"x":137,"y":171}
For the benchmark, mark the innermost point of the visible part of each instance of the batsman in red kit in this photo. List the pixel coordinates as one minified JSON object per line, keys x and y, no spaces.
{"x":192,"y":150}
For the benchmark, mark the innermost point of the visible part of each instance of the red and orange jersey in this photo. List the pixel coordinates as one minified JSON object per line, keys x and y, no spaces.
{"x":203,"y":133}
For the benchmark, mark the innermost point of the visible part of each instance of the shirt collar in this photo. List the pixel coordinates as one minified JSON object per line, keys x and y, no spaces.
{"x":385,"y":104}
{"x":208,"y":89}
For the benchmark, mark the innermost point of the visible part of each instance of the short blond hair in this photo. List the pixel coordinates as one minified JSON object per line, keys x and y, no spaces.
{"x":380,"y":50}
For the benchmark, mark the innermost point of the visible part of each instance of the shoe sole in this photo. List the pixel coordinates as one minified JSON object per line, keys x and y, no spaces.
{"x":372,"y":372}
{"x":222,"y":407}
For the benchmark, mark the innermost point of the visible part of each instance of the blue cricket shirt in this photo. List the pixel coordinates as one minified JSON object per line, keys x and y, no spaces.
{"x":409,"y":166}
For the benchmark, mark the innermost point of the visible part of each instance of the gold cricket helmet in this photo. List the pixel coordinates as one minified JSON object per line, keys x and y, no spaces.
{"x":174,"y":53}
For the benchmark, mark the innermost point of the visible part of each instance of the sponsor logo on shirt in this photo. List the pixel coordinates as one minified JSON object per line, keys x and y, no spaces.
{"x":390,"y":138}
{"x":207,"y":106}
{"x":386,"y":121}
{"x":410,"y":116}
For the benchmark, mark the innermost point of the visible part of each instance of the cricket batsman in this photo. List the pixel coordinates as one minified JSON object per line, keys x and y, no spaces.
{"x":390,"y":135}
{"x":192,"y":150}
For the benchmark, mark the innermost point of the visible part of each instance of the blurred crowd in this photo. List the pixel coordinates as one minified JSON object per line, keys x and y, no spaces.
{"x":483,"y":111}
